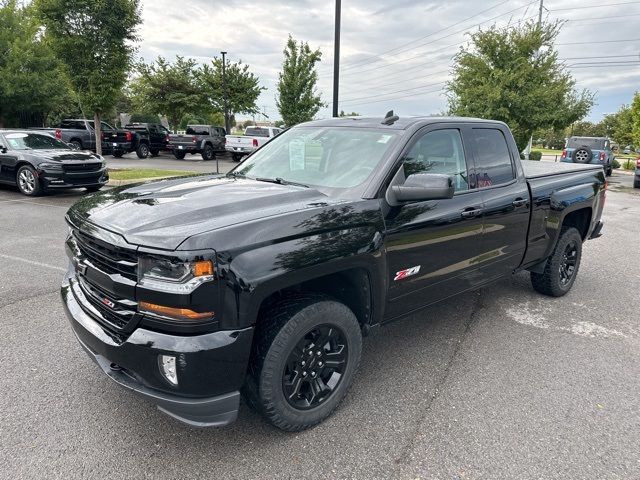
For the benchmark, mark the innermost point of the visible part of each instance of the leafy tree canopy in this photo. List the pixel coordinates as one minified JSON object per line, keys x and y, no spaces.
{"x":514,"y":75}
{"x":297,"y":99}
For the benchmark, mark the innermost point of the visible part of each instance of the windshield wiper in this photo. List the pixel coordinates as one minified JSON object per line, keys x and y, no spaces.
{"x":280,"y":181}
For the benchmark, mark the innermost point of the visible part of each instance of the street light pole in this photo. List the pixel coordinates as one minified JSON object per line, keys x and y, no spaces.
{"x":336,"y":58}
{"x":227,"y":125}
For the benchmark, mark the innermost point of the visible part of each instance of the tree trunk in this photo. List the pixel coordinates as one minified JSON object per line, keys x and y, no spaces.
{"x":98,"y":132}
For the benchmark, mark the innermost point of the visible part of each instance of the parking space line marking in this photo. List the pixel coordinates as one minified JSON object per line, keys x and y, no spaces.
{"x":32,"y":262}
{"x":35,"y":203}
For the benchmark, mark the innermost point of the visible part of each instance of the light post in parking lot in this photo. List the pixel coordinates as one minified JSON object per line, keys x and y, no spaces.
{"x":336,"y":58}
{"x":224,"y":93}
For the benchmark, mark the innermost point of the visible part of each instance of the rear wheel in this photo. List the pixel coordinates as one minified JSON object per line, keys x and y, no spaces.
{"x":28,"y":181}
{"x":609,"y":171}
{"x":562,"y":266}
{"x":236,"y":157}
{"x":179,"y":154}
{"x":118,"y":153}
{"x":307,"y":352}
{"x":208,"y":153}
{"x":76,"y":144}
{"x":154,"y":153}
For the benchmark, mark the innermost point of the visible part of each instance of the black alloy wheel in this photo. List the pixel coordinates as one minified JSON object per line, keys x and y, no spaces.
{"x":142,"y":151}
{"x":568,"y":262}
{"x":208,"y":153}
{"x":315,"y":367}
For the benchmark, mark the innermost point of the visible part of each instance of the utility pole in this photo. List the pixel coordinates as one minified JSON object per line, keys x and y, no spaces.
{"x":336,"y":58}
{"x":540,"y":14}
{"x":227,"y":125}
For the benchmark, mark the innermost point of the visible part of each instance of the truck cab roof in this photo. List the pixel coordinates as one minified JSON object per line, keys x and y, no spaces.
{"x":402,"y":123}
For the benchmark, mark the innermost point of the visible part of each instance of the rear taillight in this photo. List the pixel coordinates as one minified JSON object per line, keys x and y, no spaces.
{"x":166,"y":139}
{"x":194,"y":139}
{"x":255,"y":142}
{"x":102,"y":136}
{"x":638,"y":162}
{"x":564,"y":153}
{"x":58,"y":134}
{"x":603,"y":156}
{"x":128,"y":136}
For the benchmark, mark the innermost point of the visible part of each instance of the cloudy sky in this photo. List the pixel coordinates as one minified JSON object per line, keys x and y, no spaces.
{"x":395,"y":54}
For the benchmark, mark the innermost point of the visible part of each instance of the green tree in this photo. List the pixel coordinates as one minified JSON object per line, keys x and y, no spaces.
{"x":351,"y":114}
{"x":32,"y":83}
{"x":635,"y":119}
{"x":94,"y":39}
{"x":242,"y":87}
{"x":297,"y":99}
{"x":168,"y":89}
{"x":587,"y":129}
{"x":514,"y":75}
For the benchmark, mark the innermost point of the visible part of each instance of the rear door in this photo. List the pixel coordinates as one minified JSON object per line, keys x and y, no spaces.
{"x":505,"y":196}
{"x":433,"y":247}
{"x":7,"y":162}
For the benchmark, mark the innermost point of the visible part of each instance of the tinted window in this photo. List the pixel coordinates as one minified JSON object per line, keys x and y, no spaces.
{"x":592,"y":143}
{"x":493,"y":160}
{"x":197,"y":130}
{"x":439,"y":151}
{"x":34,"y":141}
{"x":73,"y":124}
{"x":257,"y":132}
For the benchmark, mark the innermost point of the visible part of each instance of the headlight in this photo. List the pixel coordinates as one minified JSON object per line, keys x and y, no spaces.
{"x":50,"y":166}
{"x":173,"y":276}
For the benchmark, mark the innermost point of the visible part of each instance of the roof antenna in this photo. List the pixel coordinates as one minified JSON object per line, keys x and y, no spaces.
{"x":390,"y":118}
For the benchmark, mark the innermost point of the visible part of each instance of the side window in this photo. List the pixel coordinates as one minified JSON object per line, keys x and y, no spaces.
{"x":439,"y":151}
{"x":492,"y":157}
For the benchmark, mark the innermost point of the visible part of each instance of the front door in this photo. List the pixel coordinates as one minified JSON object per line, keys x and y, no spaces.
{"x":433,"y":247}
{"x":7,"y":162}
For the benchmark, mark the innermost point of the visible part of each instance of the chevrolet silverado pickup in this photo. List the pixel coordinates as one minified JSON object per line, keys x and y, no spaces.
{"x":143,"y":138}
{"x":262,"y":282}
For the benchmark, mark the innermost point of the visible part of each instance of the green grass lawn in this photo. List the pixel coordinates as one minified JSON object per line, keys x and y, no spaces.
{"x":548,"y":151}
{"x":140,"y":173}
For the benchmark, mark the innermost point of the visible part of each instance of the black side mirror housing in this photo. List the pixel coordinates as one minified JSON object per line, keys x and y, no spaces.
{"x":424,"y":186}
{"x":3,"y":149}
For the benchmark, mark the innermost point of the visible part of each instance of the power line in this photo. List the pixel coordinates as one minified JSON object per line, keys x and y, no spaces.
{"x":433,"y":33}
{"x":464,"y":30}
{"x":592,"y":6}
{"x":396,"y":98}
{"x":394,"y":92}
{"x":598,"y":56}
{"x":600,"y":41}
{"x":403,"y":81}
{"x":570,"y":20}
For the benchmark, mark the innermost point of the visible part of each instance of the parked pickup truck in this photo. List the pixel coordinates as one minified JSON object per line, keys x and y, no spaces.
{"x":143,"y":138}
{"x":595,"y":150}
{"x":188,"y":291}
{"x":207,"y":140}
{"x":80,"y":134}
{"x":253,"y":138}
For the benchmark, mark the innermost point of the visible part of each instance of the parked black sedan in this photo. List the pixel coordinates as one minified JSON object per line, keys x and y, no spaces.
{"x":37,"y":162}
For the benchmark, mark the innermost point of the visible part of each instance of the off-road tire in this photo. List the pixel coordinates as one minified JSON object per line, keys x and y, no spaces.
{"x":28,"y":182}
{"x":118,"y":154}
{"x":208,"y":153}
{"x":179,"y":155}
{"x":549,"y":282}
{"x":154,"y":152}
{"x":582,"y":155}
{"x":142,"y":151}
{"x":279,"y":330}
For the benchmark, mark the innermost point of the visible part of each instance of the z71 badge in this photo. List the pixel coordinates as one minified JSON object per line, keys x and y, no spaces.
{"x":406,"y":273}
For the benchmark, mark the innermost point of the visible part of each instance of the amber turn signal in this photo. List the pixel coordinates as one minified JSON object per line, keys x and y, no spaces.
{"x":174,"y":312}
{"x":202,"y":268}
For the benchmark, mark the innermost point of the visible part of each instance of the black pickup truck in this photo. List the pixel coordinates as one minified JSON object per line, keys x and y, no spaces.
{"x":189,"y":291}
{"x":143,"y":138}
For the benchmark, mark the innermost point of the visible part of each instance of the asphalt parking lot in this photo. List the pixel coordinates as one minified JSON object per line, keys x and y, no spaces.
{"x":501,"y":383}
{"x":166,"y":160}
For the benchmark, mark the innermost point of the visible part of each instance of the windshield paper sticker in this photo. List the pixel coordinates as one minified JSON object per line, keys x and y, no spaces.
{"x":296,"y":154}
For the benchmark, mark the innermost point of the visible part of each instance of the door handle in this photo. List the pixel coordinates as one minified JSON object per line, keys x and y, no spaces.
{"x":519,"y":202}
{"x":471,"y":213}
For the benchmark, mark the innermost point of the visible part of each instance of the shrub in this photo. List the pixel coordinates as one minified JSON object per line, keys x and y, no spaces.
{"x":615,"y":163}
{"x":535,"y":155}
{"x":629,"y":164}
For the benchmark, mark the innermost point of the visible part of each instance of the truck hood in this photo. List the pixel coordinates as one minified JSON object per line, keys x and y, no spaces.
{"x":163,"y":214}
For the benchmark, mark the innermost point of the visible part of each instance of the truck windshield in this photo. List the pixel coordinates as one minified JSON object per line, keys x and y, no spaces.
{"x":592,"y":143}
{"x":334,"y":157}
{"x":34,"y":141}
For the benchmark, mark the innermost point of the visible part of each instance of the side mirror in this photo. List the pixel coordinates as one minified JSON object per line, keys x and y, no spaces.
{"x":424,"y":186}
{"x":3,"y":149}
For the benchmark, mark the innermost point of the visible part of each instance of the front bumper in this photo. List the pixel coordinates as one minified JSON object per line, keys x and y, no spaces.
{"x":211,"y":367}
{"x":60,"y":179}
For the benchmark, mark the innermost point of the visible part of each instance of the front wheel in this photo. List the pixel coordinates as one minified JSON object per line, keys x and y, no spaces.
{"x":562,"y":266}
{"x":306,"y":354}
{"x":142,"y":151}
{"x":28,"y":181}
{"x":208,"y":153}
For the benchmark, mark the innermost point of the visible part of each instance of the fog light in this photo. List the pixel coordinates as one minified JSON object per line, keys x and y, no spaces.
{"x":168,"y":368}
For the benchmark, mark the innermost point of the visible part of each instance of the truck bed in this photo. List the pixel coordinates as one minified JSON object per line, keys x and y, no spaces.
{"x":537,"y":169}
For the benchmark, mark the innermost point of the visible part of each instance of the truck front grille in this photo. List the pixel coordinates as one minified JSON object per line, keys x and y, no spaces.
{"x":108,"y":258}
{"x":118,"y":314}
